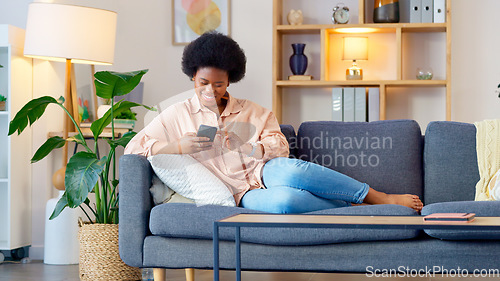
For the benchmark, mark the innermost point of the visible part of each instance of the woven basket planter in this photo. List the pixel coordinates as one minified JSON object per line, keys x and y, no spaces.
{"x":99,"y":257}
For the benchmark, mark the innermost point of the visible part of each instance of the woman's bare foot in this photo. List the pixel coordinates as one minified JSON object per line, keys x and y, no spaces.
{"x":408,"y":200}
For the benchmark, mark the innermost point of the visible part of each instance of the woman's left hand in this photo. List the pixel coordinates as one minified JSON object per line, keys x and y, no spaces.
{"x":232,"y":141}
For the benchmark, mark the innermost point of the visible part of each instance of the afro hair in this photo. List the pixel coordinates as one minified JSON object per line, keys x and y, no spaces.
{"x":213,"y":49}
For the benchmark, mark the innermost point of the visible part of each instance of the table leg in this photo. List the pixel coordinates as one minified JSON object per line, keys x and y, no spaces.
{"x":238,"y":254}
{"x":216,"y":251}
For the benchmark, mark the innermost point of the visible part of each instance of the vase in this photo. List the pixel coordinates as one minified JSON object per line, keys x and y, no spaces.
{"x":298,"y":61}
{"x":2,"y":105}
{"x":102,"y":109}
{"x":99,"y":256}
{"x":386,"y":11}
{"x":61,"y":234}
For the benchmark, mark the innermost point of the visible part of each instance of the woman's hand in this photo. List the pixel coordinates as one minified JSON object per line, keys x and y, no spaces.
{"x":190,"y":143}
{"x":232,"y":141}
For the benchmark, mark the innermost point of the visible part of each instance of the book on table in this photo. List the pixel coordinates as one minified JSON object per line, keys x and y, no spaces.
{"x":464,"y":217}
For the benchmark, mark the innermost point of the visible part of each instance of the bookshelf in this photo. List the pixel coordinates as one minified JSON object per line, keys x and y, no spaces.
{"x":15,"y":151}
{"x":331,"y":72}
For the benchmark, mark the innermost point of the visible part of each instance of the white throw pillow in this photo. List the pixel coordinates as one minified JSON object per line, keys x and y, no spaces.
{"x":189,"y":178}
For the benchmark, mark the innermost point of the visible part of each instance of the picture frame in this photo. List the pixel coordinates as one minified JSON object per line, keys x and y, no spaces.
{"x":83,"y":94}
{"x":191,"y":18}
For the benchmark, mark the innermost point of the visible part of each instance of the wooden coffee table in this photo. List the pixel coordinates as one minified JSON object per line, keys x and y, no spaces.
{"x":338,"y":221}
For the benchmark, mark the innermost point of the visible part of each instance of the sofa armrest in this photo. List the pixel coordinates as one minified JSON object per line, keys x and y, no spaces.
{"x":135,"y":205}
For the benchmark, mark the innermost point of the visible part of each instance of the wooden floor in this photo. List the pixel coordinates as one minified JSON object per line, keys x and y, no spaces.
{"x":41,"y":272}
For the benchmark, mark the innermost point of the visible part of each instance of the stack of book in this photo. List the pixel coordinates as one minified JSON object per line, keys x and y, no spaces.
{"x":120,"y":129}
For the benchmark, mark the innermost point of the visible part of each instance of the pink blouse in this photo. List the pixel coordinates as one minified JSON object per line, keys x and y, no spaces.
{"x":250,"y":121}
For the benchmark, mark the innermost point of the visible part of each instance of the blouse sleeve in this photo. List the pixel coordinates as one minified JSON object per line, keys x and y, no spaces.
{"x":273,"y":140}
{"x":156,"y":131}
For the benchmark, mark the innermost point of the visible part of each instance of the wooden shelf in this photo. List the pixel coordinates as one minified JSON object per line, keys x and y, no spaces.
{"x":300,"y":29}
{"x":325,"y":33}
{"x":364,"y":83}
{"x":88,"y":134}
{"x":361,"y":28}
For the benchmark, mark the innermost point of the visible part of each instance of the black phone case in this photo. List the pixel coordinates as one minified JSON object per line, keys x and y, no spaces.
{"x":207,"y":131}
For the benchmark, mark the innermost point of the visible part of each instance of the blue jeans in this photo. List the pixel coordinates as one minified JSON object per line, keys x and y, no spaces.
{"x":297,"y":186}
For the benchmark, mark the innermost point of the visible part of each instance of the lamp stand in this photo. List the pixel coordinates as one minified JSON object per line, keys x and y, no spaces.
{"x":58,"y":177}
{"x":354,"y":72}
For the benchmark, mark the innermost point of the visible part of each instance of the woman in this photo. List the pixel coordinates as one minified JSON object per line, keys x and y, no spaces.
{"x":249,"y":153}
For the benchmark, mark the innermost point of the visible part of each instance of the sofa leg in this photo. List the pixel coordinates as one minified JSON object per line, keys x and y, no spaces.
{"x":189,"y":274}
{"x":159,"y":274}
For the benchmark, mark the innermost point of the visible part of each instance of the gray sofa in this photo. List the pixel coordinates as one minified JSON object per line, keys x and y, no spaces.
{"x":391,"y":156}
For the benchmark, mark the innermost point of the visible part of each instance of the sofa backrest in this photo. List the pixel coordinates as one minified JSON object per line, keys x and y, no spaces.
{"x":387,"y":155}
{"x":450,"y":162}
{"x":291,"y":137}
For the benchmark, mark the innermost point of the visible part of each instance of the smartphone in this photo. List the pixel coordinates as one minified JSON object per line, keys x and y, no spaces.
{"x":207,"y":131}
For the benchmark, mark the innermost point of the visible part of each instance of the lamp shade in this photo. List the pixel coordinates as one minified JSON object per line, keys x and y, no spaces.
{"x":355,"y":48}
{"x":59,"y":32}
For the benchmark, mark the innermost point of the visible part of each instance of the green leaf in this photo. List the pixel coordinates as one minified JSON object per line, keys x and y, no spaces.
{"x":31,"y":112}
{"x":123,"y":141}
{"x":61,"y":204}
{"x":82,"y":174}
{"x":110,"y":84}
{"x":77,"y":138}
{"x":47,"y":147}
{"x":98,"y":125}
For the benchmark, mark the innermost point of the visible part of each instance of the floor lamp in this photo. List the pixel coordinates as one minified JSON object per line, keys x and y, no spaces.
{"x":70,"y":34}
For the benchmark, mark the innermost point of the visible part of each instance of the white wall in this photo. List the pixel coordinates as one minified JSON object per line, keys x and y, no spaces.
{"x":144,"y":41}
{"x":475,"y":61}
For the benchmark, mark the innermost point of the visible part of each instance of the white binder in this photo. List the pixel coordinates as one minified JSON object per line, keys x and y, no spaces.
{"x":373,"y":104}
{"x":360,"y":104}
{"x":439,"y":11}
{"x":427,"y":11}
{"x":337,"y":112}
{"x":410,"y":11}
{"x":348,"y":104}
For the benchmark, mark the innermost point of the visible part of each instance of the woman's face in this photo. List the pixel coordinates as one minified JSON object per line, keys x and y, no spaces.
{"x":211,"y":84}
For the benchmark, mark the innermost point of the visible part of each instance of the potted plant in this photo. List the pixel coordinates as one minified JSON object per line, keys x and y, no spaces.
{"x":87,"y":173}
{"x":3,"y":99}
{"x":126,"y":119}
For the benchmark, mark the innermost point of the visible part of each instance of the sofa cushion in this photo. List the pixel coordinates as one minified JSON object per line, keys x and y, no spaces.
{"x":387,"y":155}
{"x":450,"y":162}
{"x":480,"y":208}
{"x":189,"y":221}
{"x":408,"y":258}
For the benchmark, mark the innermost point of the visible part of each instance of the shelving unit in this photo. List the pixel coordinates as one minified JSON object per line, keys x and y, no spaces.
{"x":329,"y":79}
{"x":15,"y":151}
